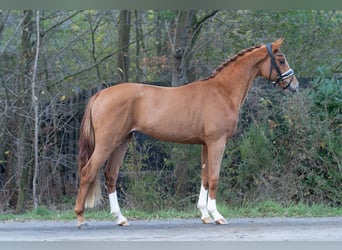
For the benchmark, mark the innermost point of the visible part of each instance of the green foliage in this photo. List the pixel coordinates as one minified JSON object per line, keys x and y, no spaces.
{"x":312,"y":37}
{"x":168,"y":15}
{"x":327,"y":96}
{"x":255,"y":148}
{"x":297,"y":157}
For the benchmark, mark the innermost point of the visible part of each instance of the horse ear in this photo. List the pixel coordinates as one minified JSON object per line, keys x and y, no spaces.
{"x":276,"y":44}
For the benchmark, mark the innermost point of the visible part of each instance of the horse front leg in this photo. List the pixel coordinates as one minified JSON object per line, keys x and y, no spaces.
{"x":203,"y":196}
{"x":215,"y":154}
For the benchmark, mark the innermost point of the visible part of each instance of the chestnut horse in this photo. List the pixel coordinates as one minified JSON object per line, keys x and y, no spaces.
{"x":202,"y":112}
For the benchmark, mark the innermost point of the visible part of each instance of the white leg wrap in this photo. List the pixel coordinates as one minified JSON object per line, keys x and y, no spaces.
{"x":213,"y":210}
{"x":115,"y":209}
{"x":202,"y":203}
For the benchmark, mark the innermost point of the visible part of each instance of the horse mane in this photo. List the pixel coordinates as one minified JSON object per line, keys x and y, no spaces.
{"x":232,"y":59}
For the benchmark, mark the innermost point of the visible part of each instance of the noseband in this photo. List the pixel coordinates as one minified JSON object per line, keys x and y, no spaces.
{"x":281,"y":76}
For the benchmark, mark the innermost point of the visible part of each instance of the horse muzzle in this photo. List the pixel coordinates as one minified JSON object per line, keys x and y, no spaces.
{"x":287,"y":81}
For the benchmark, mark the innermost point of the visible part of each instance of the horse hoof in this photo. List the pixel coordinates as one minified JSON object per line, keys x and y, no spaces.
{"x":123,"y":223}
{"x":82,"y":225}
{"x":206,"y":220}
{"x":221,"y":221}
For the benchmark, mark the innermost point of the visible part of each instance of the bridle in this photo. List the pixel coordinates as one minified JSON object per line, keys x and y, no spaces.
{"x":281,"y":76}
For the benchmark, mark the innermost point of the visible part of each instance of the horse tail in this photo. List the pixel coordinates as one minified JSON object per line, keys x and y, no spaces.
{"x":86,"y":149}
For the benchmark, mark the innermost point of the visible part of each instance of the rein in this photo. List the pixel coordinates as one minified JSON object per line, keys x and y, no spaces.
{"x":281,"y":76}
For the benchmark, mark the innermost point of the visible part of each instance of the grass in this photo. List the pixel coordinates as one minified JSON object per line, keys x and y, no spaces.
{"x":264,"y":209}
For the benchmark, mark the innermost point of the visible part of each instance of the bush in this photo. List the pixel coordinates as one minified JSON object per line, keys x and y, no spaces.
{"x":291,"y":152}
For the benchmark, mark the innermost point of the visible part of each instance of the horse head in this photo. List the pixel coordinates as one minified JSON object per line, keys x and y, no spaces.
{"x":276,"y":68}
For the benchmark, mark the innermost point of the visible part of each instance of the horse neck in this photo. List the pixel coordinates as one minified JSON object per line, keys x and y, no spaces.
{"x":236,"y":79}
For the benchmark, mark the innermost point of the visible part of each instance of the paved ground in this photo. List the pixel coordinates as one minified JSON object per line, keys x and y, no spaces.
{"x":246,"y":229}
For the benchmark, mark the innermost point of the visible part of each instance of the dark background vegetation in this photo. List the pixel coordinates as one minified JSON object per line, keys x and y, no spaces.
{"x":287,"y":147}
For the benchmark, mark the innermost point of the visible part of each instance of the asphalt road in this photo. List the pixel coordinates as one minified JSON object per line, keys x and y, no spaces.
{"x":245,"y":229}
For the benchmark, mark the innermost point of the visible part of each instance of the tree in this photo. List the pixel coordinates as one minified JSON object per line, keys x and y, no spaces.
{"x":35,"y":105}
{"x":124,"y":37}
{"x":22,"y":122}
{"x":185,"y":36}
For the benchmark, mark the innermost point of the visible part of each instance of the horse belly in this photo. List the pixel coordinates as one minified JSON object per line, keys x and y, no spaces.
{"x":169,"y":124}
{"x":171,"y":130}
{"x":174,"y":136}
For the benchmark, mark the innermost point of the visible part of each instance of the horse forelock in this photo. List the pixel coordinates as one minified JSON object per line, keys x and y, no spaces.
{"x":232,"y":59}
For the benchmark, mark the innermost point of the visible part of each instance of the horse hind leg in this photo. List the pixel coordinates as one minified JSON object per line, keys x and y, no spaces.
{"x":88,"y":176}
{"x":111,"y":176}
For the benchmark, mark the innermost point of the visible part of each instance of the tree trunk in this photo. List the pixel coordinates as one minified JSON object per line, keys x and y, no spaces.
{"x":36,"y":118}
{"x":23,"y":104}
{"x":124,"y":37}
{"x":182,"y":46}
{"x":139,"y":73}
{"x":187,"y":31}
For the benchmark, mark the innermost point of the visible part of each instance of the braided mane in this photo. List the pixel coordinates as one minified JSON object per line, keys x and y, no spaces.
{"x":227,"y":62}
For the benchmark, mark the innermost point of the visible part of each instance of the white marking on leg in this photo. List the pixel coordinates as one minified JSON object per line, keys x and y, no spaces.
{"x":213,"y":211}
{"x":202,"y":204}
{"x":203,"y":166}
{"x":115,"y":209}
